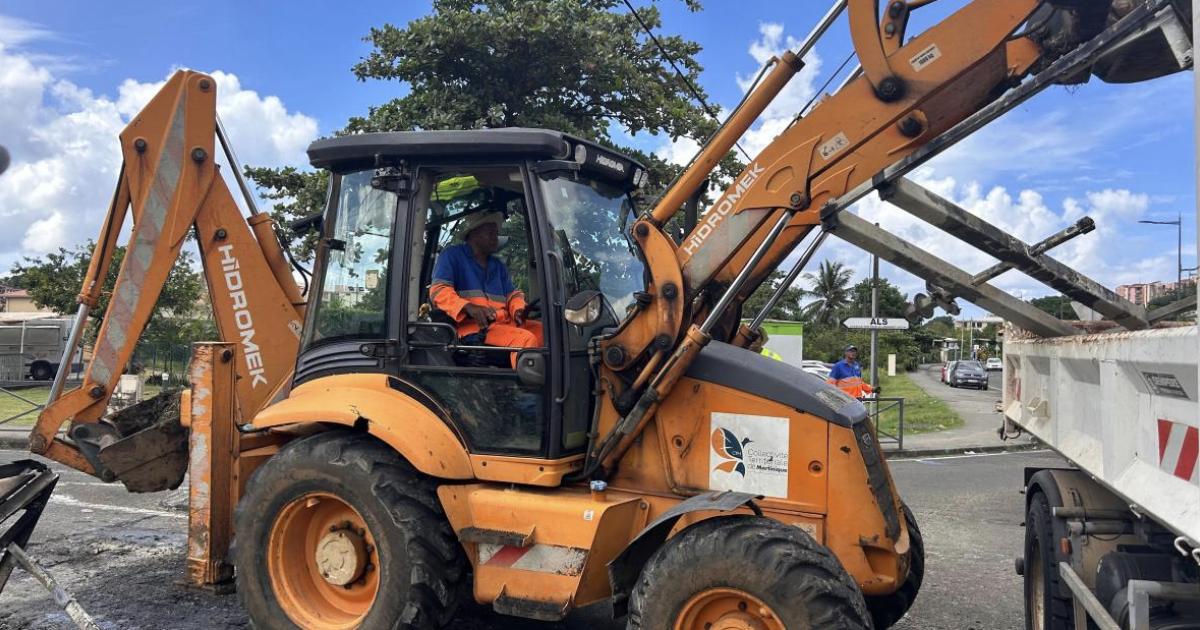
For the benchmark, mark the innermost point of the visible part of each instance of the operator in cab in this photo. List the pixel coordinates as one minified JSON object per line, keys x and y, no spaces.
{"x":473,"y":287}
{"x":846,"y":374}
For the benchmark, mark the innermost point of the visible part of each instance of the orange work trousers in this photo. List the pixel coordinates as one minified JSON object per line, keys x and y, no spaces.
{"x":527,"y":335}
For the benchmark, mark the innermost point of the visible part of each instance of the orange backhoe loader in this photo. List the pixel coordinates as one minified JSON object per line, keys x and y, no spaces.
{"x":384,"y":468}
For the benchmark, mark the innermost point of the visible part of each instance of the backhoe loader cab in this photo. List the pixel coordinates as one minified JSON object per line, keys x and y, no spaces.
{"x":398,"y":201}
{"x":443,"y":465}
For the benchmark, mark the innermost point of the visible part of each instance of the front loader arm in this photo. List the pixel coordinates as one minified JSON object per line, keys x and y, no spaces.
{"x":170,"y":184}
{"x":906,"y":96}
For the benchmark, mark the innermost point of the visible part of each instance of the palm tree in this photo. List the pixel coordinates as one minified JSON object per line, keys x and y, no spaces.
{"x":831,"y":286}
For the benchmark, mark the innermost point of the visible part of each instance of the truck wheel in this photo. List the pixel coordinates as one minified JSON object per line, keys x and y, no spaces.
{"x":1047,"y":604}
{"x":745,"y":572}
{"x":337,"y":531}
{"x":41,"y":371}
{"x":886,"y":610}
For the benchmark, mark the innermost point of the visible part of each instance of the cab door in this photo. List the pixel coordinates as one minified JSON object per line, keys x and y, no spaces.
{"x":496,"y":408}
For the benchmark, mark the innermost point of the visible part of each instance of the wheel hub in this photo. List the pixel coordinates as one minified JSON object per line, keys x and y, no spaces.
{"x":341,"y":557}
{"x":727,"y":609}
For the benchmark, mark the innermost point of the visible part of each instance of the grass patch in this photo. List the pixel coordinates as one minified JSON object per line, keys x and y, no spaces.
{"x":10,"y":406}
{"x":922,"y":413}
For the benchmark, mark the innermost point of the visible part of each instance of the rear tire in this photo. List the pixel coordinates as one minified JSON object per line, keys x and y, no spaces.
{"x":1047,"y":603}
{"x":886,"y":610}
{"x":745,"y":569}
{"x":412,"y":572}
{"x":41,"y":371}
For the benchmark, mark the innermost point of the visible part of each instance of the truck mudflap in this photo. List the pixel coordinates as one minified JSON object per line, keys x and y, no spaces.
{"x":144,"y":446}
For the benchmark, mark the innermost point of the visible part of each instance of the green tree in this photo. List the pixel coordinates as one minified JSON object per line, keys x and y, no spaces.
{"x":54,"y":281}
{"x":1056,"y":305}
{"x":891,"y":300}
{"x":941,"y":326}
{"x":788,"y":307}
{"x":1171,"y":297}
{"x":831,"y":287}
{"x":579,"y":66}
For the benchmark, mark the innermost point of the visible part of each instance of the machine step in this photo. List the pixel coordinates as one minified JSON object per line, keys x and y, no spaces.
{"x":496,"y":537}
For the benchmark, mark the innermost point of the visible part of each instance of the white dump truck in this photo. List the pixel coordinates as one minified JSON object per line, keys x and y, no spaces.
{"x":33,"y":348}
{"x":1113,"y":538}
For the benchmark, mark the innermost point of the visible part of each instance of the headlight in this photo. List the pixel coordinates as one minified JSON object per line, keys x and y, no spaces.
{"x":640,"y":177}
{"x":580,"y":153}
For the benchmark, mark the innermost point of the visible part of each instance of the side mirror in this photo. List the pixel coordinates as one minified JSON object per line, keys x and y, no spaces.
{"x":531,"y":367}
{"x":583,"y":309}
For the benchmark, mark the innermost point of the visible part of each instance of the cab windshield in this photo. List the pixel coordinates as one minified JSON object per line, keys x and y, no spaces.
{"x":588,"y":219}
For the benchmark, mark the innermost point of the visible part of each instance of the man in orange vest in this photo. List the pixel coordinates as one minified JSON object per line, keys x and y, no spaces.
{"x":846,"y":375}
{"x":474,"y":288}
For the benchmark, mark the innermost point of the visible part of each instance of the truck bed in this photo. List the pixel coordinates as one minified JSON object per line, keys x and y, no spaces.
{"x":1123,"y":408}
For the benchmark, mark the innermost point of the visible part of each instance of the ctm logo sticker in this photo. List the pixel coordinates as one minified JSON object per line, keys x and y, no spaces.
{"x":726,"y":445}
{"x":748,"y":454}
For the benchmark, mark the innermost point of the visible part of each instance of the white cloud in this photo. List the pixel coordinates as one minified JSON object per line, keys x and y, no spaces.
{"x":772,"y":42}
{"x":1108,"y":255}
{"x":15,"y":31}
{"x":65,"y":151}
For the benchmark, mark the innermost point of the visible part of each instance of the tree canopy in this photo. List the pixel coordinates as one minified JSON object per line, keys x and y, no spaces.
{"x":891,"y":300}
{"x":583,"y":67}
{"x":831,"y":287}
{"x":1056,"y":305}
{"x":54,"y":280}
{"x":788,"y":307}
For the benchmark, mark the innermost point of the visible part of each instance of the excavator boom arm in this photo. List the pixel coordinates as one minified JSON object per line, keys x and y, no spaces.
{"x":169,"y":185}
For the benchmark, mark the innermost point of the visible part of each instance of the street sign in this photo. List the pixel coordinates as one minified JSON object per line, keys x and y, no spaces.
{"x":876,"y":323}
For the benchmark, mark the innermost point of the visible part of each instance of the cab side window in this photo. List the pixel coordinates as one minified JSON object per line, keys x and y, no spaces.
{"x":354,"y":288}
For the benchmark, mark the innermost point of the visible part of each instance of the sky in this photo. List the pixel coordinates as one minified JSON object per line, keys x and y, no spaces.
{"x":72,"y":73}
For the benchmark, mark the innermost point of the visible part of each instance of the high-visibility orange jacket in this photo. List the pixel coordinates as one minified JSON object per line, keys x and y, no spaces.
{"x":848,"y":378}
{"x":458,"y":280}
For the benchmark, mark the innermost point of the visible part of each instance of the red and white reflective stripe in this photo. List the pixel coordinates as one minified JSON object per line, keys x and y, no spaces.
{"x":1178,"y":446}
{"x":539,"y":558}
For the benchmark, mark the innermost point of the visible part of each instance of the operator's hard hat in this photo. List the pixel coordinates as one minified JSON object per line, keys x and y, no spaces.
{"x":850,"y":348}
{"x":480,"y":219}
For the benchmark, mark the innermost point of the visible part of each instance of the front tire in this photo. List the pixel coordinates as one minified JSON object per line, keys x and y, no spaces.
{"x":886,"y":610}
{"x":338,"y":531}
{"x":745,"y":571}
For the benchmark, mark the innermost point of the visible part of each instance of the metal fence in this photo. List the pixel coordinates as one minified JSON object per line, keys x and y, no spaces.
{"x":886,"y":407}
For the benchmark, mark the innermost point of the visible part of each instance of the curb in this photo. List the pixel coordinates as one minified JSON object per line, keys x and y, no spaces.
{"x":16,"y":440}
{"x":963,"y":450}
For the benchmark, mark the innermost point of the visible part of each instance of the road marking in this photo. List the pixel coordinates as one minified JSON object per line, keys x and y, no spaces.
{"x":62,"y":499}
{"x":966,"y":456}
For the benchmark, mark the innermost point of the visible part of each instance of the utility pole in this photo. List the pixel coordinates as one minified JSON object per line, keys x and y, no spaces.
{"x":874,"y":314}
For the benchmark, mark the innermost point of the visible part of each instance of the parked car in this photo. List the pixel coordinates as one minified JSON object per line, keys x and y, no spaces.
{"x":946,"y":367}
{"x":820,"y":372}
{"x":993,"y":364}
{"x":968,"y":374}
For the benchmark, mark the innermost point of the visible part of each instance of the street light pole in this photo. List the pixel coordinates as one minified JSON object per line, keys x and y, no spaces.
{"x":1178,"y":223}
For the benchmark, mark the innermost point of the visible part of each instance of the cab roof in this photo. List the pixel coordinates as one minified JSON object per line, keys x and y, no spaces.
{"x":346,"y":153}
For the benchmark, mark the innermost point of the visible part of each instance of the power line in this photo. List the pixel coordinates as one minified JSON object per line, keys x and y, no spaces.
{"x":692,"y":88}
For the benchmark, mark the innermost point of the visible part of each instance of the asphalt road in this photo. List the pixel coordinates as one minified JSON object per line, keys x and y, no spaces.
{"x":121,"y":555}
